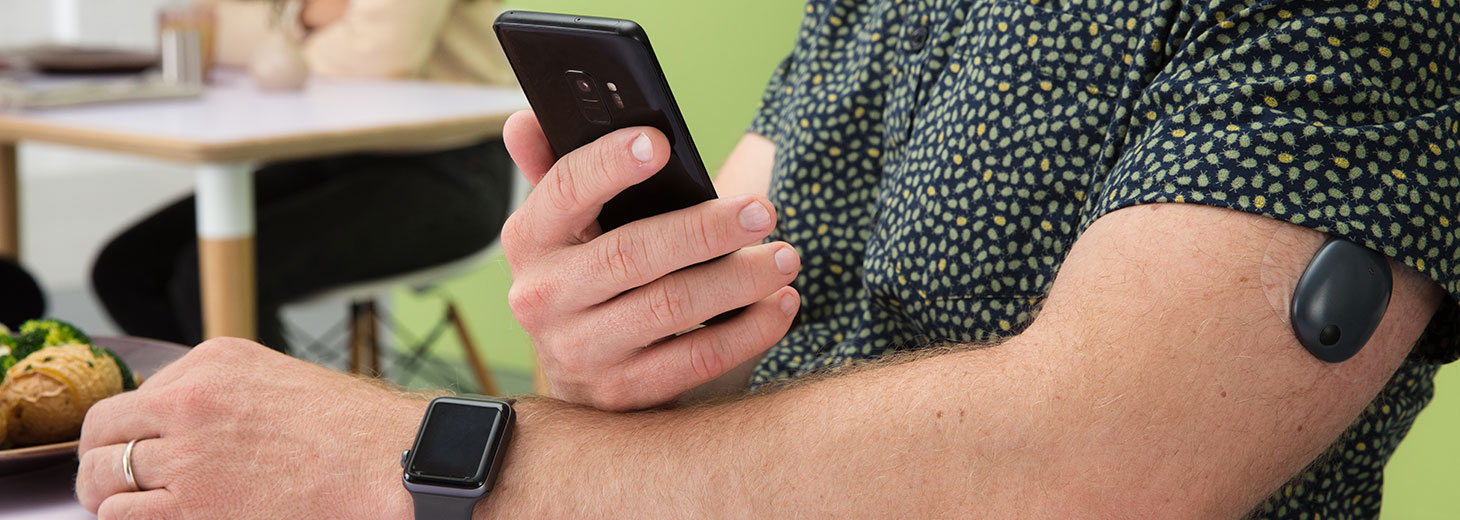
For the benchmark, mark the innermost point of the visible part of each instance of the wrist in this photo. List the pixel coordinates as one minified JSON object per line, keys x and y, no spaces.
{"x":532,"y":440}
{"x":396,"y":503}
{"x":571,"y":461}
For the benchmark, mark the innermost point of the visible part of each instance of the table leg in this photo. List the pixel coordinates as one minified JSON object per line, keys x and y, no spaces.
{"x":226,"y":250}
{"x":9,"y":203}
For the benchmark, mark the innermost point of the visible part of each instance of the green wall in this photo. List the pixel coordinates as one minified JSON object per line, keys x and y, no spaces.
{"x":718,"y":55}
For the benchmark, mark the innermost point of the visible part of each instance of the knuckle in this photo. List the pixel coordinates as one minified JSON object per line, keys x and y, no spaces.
{"x":620,"y":255}
{"x":207,"y":349}
{"x":744,"y":263}
{"x":220,"y":349}
{"x":514,"y":236}
{"x":527,"y":300}
{"x":702,"y":234}
{"x":705,"y":358}
{"x":667,"y":303}
{"x":191,"y":399}
{"x":564,"y":186}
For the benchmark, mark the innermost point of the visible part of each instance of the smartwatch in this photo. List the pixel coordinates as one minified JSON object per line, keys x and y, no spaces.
{"x":458,"y":451}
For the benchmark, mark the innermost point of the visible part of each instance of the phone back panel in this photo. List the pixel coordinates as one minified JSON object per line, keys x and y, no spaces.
{"x":554,"y":56}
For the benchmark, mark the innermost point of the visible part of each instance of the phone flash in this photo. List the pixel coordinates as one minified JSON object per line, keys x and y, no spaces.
{"x":612,"y":87}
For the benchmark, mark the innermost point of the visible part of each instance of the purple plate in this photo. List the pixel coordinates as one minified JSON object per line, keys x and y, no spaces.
{"x":145,"y":357}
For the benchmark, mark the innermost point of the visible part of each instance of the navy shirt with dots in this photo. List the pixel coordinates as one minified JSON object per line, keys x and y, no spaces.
{"x":936,"y":159}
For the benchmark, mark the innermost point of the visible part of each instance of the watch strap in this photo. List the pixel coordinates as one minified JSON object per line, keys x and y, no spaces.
{"x":437,"y":507}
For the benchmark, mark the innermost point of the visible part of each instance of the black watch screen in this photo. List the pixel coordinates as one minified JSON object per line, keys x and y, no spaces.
{"x":456,"y":443}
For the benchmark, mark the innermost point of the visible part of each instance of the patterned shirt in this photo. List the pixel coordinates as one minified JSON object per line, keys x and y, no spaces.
{"x":937,"y":158}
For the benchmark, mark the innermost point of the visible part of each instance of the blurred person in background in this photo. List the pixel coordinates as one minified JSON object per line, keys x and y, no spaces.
{"x":328,"y":222}
{"x":20,"y":297}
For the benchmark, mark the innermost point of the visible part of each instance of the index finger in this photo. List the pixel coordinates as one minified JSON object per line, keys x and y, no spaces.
{"x":573,"y":191}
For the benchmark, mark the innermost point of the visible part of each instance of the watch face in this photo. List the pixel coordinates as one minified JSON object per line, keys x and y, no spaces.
{"x":452,"y":446}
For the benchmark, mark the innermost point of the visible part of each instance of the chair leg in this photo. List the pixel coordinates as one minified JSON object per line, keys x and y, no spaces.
{"x":485,"y":382}
{"x":364,"y":339}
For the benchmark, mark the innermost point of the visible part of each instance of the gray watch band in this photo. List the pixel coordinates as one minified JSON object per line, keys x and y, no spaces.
{"x":437,"y":507}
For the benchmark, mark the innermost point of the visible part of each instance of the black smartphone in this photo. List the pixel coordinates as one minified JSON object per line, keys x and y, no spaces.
{"x":586,"y":77}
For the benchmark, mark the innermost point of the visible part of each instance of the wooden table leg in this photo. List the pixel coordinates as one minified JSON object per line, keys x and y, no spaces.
{"x":9,"y":203}
{"x":226,"y":250}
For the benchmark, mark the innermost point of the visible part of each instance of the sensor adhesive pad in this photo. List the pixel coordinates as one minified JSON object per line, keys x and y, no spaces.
{"x":1340,"y":299}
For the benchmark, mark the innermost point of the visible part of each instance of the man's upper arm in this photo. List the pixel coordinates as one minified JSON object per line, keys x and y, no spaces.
{"x":1169,"y":322}
{"x":748,"y":168}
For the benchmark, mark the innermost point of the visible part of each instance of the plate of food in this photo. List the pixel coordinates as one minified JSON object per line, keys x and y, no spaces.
{"x":50,"y":374}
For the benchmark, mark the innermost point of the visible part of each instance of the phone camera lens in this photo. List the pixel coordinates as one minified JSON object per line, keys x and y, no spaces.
{"x":583,"y":86}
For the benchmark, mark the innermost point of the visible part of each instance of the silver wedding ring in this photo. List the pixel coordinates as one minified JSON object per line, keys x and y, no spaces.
{"x":127,"y":466}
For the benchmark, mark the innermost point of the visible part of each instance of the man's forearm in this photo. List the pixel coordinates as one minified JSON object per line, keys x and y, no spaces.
{"x":961,"y":432}
{"x":1121,"y":400}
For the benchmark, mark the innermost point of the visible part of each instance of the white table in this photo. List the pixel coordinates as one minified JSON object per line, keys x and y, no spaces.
{"x":233,"y":127}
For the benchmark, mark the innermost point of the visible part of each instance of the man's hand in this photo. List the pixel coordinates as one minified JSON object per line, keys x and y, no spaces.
{"x":235,"y":430}
{"x":604,"y":309}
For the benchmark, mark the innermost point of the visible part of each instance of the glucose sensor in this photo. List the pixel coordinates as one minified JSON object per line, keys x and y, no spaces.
{"x":1340,"y":299}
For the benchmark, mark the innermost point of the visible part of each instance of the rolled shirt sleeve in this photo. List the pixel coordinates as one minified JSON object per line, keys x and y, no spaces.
{"x":1337,"y":116}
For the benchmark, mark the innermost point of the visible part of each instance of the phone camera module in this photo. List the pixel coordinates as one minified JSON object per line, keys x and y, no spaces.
{"x":583,"y":85}
{"x":585,"y":89}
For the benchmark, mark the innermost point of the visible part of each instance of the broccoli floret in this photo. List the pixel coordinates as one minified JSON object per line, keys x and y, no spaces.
{"x":55,"y":332}
{"x":7,"y":341}
{"x":27,"y":343}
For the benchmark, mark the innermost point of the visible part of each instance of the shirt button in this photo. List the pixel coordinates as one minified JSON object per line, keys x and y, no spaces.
{"x":916,"y":39}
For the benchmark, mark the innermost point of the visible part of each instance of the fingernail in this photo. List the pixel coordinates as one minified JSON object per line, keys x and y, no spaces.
{"x":786,"y":260}
{"x":754,"y":217}
{"x":643,"y":148}
{"x":789,"y":303}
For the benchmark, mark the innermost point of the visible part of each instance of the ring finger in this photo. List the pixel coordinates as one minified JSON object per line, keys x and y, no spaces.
{"x":102,"y":475}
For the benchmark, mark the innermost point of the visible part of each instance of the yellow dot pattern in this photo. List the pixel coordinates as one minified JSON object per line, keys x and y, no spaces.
{"x":936,"y":159}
